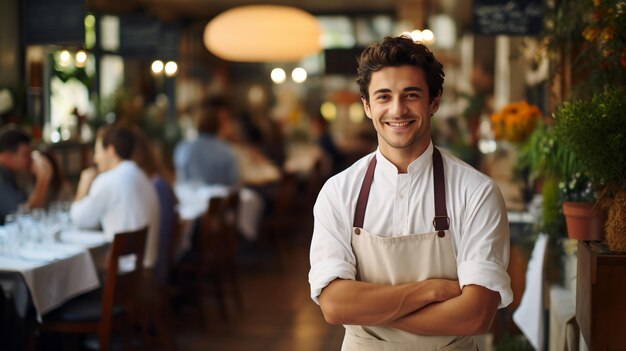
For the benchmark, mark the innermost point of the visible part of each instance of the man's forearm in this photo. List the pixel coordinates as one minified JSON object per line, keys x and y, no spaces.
{"x":362,"y":303}
{"x":39,"y":194}
{"x":471,"y":313}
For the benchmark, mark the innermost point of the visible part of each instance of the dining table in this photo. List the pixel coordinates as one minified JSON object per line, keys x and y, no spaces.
{"x":37,"y":277}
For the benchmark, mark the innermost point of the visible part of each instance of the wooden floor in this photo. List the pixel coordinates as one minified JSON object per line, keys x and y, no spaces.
{"x":277,"y":312}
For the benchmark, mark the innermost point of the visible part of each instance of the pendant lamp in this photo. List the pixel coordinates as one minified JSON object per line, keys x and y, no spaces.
{"x":263,"y":33}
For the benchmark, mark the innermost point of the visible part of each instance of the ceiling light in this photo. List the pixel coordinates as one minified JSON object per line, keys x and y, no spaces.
{"x":65,"y":58}
{"x":278,"y":75}
{"x":263,"y":33}
{"x":298,"y":75}
{"x":157,"y":67}
{"x":81,"y":58}
{"x":171,"y":68}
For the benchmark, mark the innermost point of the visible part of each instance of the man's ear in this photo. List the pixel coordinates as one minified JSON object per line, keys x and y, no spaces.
{"x":366,"y":107}
{"x":434,"y":106}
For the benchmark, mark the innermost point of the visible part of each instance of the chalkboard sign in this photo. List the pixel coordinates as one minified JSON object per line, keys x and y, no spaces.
{"x":342,"y":61}
{"x":142,"y":36}
{"x":508,"y":17}
{"x":54,"y":22}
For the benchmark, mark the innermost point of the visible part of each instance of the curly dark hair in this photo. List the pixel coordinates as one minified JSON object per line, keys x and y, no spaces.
{"x":399,"y":51}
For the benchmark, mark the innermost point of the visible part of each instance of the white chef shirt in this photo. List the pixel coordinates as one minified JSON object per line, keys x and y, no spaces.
{"x":402,"y":204}
{"x":121,"y":199}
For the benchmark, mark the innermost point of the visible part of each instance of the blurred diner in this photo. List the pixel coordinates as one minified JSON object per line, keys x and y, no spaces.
{"x":17,"y":161}
{"x":116,"y":195}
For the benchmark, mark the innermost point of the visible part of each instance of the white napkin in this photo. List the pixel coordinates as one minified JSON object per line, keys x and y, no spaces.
{"x":529,"y":314}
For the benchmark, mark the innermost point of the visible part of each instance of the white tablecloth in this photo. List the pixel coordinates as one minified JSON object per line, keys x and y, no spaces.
{"x":54,"y":273}
{"x":194,"y":201}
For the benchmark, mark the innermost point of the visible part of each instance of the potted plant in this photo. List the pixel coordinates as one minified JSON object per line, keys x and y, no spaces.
{"x":595,"y":131}
{"x":583,"y":218}
{"x":550,"y":165}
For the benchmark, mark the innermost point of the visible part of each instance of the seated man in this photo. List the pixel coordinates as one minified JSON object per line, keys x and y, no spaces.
{"x":118,"y":195}
{"x":16,"y":160}
{"x":207,"y":159}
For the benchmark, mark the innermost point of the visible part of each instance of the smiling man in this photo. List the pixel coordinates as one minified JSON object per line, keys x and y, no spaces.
{"x":410,"y":245}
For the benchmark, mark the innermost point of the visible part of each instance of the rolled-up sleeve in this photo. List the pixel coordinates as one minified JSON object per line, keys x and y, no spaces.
{"x":331,"y":251}
{"x":483,"y":253}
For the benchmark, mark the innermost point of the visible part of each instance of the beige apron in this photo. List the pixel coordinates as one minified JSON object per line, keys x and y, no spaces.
{"x":400,"y":260}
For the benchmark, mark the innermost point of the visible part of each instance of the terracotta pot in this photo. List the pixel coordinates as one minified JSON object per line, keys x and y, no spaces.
{"x":584,"y":221}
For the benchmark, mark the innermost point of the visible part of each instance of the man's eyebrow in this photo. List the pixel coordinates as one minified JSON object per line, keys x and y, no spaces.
{"x":382,"y":90}
{"x":413,"y":89}
{"x":387,"y":90}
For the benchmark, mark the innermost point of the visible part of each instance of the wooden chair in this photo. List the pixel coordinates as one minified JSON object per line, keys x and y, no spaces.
{"x":230,"y":239}
{"x":157,"y":293}
{"x":215,"y":261}
{"x":94,"y":312}
{"x":277,"y":227}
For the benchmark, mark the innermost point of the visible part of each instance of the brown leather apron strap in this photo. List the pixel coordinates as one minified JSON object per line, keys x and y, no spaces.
{"x":441,"y":220}
{"x":364,"y":194}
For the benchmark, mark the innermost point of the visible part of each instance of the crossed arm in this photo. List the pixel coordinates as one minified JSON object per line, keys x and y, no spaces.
{"x":429,"y":307}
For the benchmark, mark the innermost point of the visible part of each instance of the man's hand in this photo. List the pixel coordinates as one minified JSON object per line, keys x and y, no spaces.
{"x":41,"y":167}
{"x":86,"y":178}
{"x":444,"y":289}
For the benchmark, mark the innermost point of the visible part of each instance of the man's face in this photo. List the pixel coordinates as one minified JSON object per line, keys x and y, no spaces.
{"x":20,"y":160}
{"x":400,"y":110}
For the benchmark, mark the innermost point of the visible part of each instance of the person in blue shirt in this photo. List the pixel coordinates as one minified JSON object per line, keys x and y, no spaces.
{"x":207,"y":159}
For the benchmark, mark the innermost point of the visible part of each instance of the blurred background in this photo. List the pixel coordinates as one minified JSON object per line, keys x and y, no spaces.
{"x":287,"y":71}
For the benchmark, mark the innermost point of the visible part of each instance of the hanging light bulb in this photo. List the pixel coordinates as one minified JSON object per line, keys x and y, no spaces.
{"x":157,"y":67}
{"x":171,"y":68}
{"x":65,"y":58}
{"x":278,"y":75}
{"x":81,"y":59}
{"x":298,"y":75}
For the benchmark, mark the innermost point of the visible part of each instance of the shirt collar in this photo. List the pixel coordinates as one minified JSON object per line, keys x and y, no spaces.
{"x":422,"y":161}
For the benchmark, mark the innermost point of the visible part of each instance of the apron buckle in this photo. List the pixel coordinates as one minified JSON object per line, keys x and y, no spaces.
{"x":439,"y":224}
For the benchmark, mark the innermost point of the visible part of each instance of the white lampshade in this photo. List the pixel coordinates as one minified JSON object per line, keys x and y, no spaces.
{"x":263,"y":33}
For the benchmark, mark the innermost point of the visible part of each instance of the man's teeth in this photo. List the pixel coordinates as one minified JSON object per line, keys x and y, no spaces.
{"x":398,"y":124}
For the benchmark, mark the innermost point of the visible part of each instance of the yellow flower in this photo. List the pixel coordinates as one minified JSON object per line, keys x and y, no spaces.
{"x":515,"y":121}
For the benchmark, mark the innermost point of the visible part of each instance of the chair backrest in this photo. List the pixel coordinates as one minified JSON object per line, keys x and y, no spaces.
{"x":168,"y":230}
{"x":218,"y":228}
{"x":124,"y":271}
{"x":212,"y":223}
{"x":231,"y":220}
{"x":285,"y":195}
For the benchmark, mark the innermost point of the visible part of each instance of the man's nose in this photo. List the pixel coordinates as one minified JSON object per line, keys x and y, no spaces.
{"x":398,"y":108}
